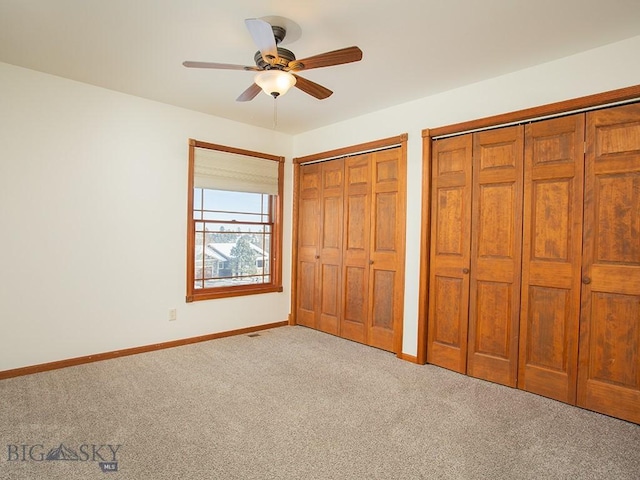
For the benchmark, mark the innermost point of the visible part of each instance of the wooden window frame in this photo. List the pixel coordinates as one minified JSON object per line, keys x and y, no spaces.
{"x":275,"y":259}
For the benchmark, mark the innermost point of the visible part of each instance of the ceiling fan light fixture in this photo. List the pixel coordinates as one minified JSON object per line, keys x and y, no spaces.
{"x":275,"y":82}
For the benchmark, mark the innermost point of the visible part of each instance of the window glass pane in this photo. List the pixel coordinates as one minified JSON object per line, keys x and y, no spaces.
{"x":197,"y":198}
{"x":234,"y":241}
{"x":232,"y":201}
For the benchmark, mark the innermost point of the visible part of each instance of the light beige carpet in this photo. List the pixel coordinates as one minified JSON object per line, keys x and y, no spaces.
{"x":293,"y":403}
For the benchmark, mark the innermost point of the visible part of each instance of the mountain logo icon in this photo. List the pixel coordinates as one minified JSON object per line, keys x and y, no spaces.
{"x":62,"y":452}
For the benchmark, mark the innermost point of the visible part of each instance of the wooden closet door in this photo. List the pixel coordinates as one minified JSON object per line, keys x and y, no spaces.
{"x":309,"y":196}
{"x":386,"y":249}
{"x":552,"y":257}
{"x":496,"y":255}
{"x":330,"y":246}
{"x":609,"y":358}
{"x":450,"y":250}
{"x":357,"y":224}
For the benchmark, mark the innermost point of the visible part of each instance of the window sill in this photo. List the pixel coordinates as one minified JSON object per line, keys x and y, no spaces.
{"x":224,"y":292}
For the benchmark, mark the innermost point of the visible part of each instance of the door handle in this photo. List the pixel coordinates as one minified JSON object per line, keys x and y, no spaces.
{"x":586,"y":280}
{"x":465,"y":270}
{"x":317,"y":257}
{"x":370,"y":262}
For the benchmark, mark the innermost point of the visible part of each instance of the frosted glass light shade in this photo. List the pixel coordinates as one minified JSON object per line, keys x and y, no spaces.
{"x":275,"y":82}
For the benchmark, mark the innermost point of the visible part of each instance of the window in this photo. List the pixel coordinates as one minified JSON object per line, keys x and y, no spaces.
{"x":234,"y":236}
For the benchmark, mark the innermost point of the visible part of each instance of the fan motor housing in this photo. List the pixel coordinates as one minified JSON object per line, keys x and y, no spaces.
{"x":284,"y":57}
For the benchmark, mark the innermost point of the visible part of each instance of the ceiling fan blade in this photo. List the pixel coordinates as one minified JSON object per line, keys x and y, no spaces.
{"x":249,"y":94}
{"x":219,"y":66}
{"x":336,"y":57}
{"x":262,"y":35}
{"x":312,"y":88}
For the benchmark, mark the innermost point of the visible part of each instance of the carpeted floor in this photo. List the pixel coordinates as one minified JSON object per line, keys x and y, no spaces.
{"x":293,"y":403}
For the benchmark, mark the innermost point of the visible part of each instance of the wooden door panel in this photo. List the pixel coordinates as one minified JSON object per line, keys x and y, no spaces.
{"x":610,"y":373}
{"x":496,"y":246}
{"x":308,"y":245}
{"x":387,"y":193}
{"x":552,"y":249}
{"x":330,"y":298}
{"x":332,"y":223}
{"x":448,"y":335}
{"x":496,"y":226}
{"x":609,"y":358}
{"x":450,"y":250}
{"x":357,"y":225}
{"x":451,"y":206}
{"x":384,"y":235}
{"x":387,"y":169}
{"x":618,"y":201}
{"x":354,"y":317}
{"x":306,"y":312}
{"x":309,"y":227}
{"x":492,"y":345}
{"x":493,"y":325}
{"x":356,"y":237}
{"x":383,"y":308}
{"x":384,"y":282}
{"x":450,"y":296}
{"x":330,"y":251}
{"x":386,"y":254}
{"x":547,"y":323}
{"x":552,"y":207}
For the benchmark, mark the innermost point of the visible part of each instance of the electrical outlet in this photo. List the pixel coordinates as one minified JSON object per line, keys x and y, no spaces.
{"x":172,"y":314}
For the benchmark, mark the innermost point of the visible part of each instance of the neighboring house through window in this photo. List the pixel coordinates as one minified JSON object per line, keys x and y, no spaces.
{"x":235,"y":234}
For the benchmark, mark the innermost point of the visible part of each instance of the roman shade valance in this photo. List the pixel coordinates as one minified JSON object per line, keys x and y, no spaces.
{"x":219,"y":170}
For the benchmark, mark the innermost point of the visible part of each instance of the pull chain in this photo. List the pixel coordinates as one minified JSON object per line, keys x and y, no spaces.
{"x":275,"y":112}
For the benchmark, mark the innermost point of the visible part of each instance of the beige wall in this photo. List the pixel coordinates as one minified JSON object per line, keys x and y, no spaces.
{"x":93,"y":201}
{"x":606,"y":68}
{"x":93,"y":221}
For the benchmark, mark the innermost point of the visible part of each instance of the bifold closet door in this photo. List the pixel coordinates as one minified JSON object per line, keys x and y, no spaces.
{"x":496,"y":255}
{"x":373,"y":280}
{"x":357,"y":225}
{"x":351,"y":221}
{"x":320,"y":245}
{"x":448,"y":316}
{"x":330,"y":247}
{"x":552,"y":253}
{"x":309,"y":199}
{"x":386,"y":249}
{"x":609,"y":352}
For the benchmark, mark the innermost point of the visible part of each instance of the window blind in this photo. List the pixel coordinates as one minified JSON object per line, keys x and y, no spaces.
{"x":218,"y":170}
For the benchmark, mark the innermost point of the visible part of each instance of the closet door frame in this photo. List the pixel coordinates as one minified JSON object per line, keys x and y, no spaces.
{"x":626,"y":94}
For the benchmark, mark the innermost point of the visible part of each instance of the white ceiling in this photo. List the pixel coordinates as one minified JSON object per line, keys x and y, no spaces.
{"x":412,"y":48}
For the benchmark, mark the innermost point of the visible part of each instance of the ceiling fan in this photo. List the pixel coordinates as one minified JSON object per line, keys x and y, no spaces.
{"x":277,"y":67}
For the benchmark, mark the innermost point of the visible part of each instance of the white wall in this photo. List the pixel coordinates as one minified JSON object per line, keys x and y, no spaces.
{"x":606,"y":68}
{"x":93,"y":201}
{"x":93,"y":221}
